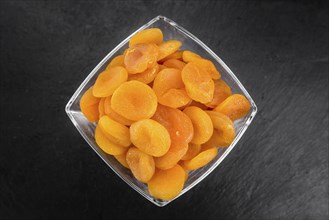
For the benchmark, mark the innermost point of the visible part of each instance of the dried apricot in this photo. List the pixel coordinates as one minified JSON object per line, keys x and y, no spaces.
{"x":116,"y":61}
{"x":113,"y":115}
{"x":173,"y":63}
{"x":167,"y":184}
{"x":114,"y":131}
{"x":201,"y":159}
{"x":189,"y":56}
{"x":170,"y":159}
{"x":140,"y":164}
{"x":151,"y":35}
{"x":89,"y":105}
{"x":147,"y":76}
{"x":169,"y":88}
{"x":109,"y":80}
{"x":134,"y":100}
{"x":207,"y":65}
{"x":202,"y":124}
{"x":121,"y":158}
{"x":221,"y":92}
{"x":167,"y":48}
{"x":193,"y":150}
{"x":198,"y":83}
{"x":176,"y":122}
{"x":224,"y":132}
{"x":106,"y":145}
{"x":236,"y":106}
{"x":177,"y":55}
{"x":140,"y":57}
{"x":101,"y":109}
{"x":150,"y":137}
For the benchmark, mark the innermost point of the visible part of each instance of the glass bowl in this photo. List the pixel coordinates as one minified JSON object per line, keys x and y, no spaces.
{"x":171,"y":30}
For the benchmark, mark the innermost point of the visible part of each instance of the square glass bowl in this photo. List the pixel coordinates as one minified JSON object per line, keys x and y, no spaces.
{"x":171,"y":30}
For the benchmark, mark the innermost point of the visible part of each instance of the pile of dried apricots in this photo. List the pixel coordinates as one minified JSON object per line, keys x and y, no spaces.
{"x":162,"y":112}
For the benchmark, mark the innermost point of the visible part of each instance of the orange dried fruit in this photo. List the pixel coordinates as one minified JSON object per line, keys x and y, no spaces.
{"x":193,"y":150}
{"x":106,"y":145}
{"x":89,"y":105}
{"x":224,"y":132}
{"x":113,"y":115}
{"x":167,"y":48}
{"x":177,"y":55}
{"x":116,"y":61}
{"x":121,"y":158}
{"x":147,"y":76}
{"x":207,"y":65}
{"x":236,"y":106}
{"x":189,"y":56}
{"x":148,"y":36}
{"x":177,"y":123}
{"x":109,"y":80}
{"x":221,"y":92}
{"x":101,"y":109}
{"x":171,"y":158}
{"x":169,"y":88}
{"x":174,"y":63}
{"x":114,"y":131}
{"x":134,"y":100}
{"x":140,"y":57}
{"x":198,"y":83}
{"x":202,"y":124}
{"x":150,"y":137}
{"x":140,"y":164}
{"x":201,"y":159}
{"x":167,"y":184}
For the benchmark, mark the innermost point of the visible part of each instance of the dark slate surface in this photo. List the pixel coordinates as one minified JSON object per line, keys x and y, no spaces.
{"x":279,"y":51}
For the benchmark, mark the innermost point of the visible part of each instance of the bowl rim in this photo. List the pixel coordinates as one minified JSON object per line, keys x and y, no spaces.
{"x":238,"y":136}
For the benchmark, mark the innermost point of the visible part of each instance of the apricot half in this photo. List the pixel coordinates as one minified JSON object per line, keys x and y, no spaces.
{"x":202,"y":124}
{"x":140,"y":57}
{"x":113,"y":115}
{"x":236,"y":106}
{"x":169,"y":88}
{"x":89,"y":105}
{"x":134,"y":100}
{"x":106,"y":145}
{"x":151,"y":35}
{"x":167,"y":48}
{"x":147,"y":76}
{"x":193,"y":150}
{"x":224,"y":132}
{"x":177,"y":123}
{"x":221,"y":92}
{"x":198,"y":83}
{"x":174,"y":63}
{"x":140,"y":164}
{"x":167,"y":184}
{"x":121,"y":158}
{"x":201,"y":159}
{"x":150,"y":137}
{"x":109,"y":80}
{"x":114,"y":131}
{"x":116,"y":61}
{"x":170,"y":159}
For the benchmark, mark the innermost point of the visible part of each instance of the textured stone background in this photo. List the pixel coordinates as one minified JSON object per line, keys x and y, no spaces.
{"x":279,"y":51}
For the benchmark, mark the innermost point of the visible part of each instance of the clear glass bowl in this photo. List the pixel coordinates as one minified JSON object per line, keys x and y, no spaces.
{"x":171,"y":30}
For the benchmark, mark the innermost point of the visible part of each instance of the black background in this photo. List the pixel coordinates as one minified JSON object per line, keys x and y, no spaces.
{"x":278,"y":50}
